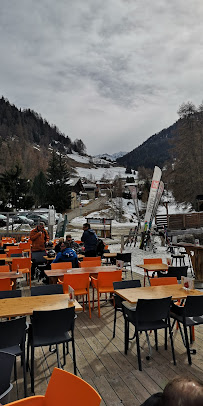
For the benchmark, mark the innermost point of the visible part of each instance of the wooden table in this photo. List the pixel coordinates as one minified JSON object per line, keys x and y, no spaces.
{"x":153,"y":268}
{"x":54,"y":274}
{"x":24,"y":306}
{"x":109,"y":256}
{"x":10,"y":259}
{"x":156,"y":292}
{"x":11,"y":275}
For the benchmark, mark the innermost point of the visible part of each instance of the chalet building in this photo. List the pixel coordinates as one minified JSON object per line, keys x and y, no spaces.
{"x":91,"y":189}
{"x":105,"y":188}
{"x":76,"y":188}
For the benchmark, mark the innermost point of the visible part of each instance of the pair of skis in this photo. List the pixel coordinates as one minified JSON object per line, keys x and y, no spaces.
{"x":156,"y":190}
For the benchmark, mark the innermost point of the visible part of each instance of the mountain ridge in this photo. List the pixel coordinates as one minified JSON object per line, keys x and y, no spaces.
{"x":156,"y":150}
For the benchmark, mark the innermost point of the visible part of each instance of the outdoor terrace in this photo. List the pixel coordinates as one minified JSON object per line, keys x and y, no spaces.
{"x":101,"y":360}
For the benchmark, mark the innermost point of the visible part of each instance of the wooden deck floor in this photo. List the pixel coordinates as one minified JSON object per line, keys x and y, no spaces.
{"x":101,"y":361}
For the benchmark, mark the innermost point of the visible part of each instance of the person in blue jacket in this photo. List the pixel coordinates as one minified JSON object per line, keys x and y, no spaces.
{"x":89,"y":239}
{"x":67,"y":254}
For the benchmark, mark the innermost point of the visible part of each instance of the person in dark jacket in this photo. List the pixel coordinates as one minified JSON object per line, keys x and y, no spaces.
{"x":67,"y":254}
{"x":89,"y":239}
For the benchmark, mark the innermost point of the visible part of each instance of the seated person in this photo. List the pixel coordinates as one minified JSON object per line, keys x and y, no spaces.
{"x":58,"y":246}
{"x":74,"y":245}
{"x":67,"y":254}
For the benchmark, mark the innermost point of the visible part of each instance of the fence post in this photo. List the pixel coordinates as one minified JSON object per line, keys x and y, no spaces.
{"x":122,"y":243}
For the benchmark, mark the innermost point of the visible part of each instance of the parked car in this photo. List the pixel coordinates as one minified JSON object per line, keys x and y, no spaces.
{"x":22,"y":220}
{"x":37,"y":218}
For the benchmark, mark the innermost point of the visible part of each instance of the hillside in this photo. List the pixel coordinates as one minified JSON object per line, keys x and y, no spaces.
{"x":28,"y":139}
{"x":154,"y":151}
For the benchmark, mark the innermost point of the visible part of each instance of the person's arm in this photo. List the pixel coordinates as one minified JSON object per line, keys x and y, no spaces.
{"x":82,"y":238}
{"x":57,"y":257}
{"x":34,"y":235}
{"x":47,"y":236}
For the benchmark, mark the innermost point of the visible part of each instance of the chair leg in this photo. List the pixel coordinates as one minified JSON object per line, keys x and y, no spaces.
{"x":114,"y":323}
{"x":165,"y":339}
{"x":98,"y":298}
{"x":171,"y":338}
{"x":24,"y":374}
{"x":126,"y":337}
{"x":187,"y":344}
{"x":88,"y":295}
{"x":64,"y":354}
{"x":192,"y":334}
{"x":74,"y":357}
{"x":58,"y":358}
{"x":32,"y":370}
{"x":93,"y":299}
{"x":138,"y":351}
{"x":156,"y":339}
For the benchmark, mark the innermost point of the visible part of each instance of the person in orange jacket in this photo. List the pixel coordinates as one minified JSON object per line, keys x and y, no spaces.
{"x":39,"y":238}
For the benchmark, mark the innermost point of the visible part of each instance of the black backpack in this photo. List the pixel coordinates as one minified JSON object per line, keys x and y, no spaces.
{"x":100,"y":247}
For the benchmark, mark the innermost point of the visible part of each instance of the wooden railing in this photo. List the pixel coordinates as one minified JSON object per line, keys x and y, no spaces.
{"x":180,"y":221}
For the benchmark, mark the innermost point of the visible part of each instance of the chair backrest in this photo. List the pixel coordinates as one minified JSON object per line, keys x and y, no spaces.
{"x":46,"y":290}
{"x":152,"y":261}
{"x":148,"y":310}
{"x":87,"y":264}
{"x":6,"y":363}
{"x":3,"y":256}
{"x":61,"y":265}
{"x":12,"y":332}
{"x":4,"y":268}
{"x":5,"y":284}
{"x":163,"y":281}
{"x":25,"y":245}
{"x":127,"y":284}
{"x":81,"y":392}
{"x":193,"y":306}
{"x":124,"y":285}
{"x":47,"y":323}
{"x":14,"y":251}
{"x":21,"y":263}
{"x":7,"y":294}
{"x":106,"y":279}
{"x":125,"y":256}
{"x":177,"y":271}
{"x":77,"y":281}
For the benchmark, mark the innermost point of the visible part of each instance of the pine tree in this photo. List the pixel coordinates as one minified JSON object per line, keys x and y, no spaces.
{"x":14,"y":188}
{"x":57,"y":183}
{"x":39,"y":189}
{"x":185,"y":174}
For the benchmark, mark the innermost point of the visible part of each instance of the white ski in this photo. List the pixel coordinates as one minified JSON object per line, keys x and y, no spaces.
{"x":133,"y":192}
{"x":157,"y":200}
{"x":152,"y":196}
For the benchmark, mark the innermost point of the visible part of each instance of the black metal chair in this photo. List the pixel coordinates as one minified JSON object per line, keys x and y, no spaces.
{"x":175,"y":271}
{"x":6,"y":366}
{"x":12,"y":340}
{"x":149,"y":314}
{"x":46,"y":290}
{"x":126,"y":257}
{"x":118,"y":299}
{"x":7,"y":294}
{"x":191,"y":314}
{"x":51,"y":328}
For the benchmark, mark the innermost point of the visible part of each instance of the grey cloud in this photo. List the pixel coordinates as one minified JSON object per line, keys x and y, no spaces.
{"x":99,"y":68}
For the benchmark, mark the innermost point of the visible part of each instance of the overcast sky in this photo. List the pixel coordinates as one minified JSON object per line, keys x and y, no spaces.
{"x":110,"y":72}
